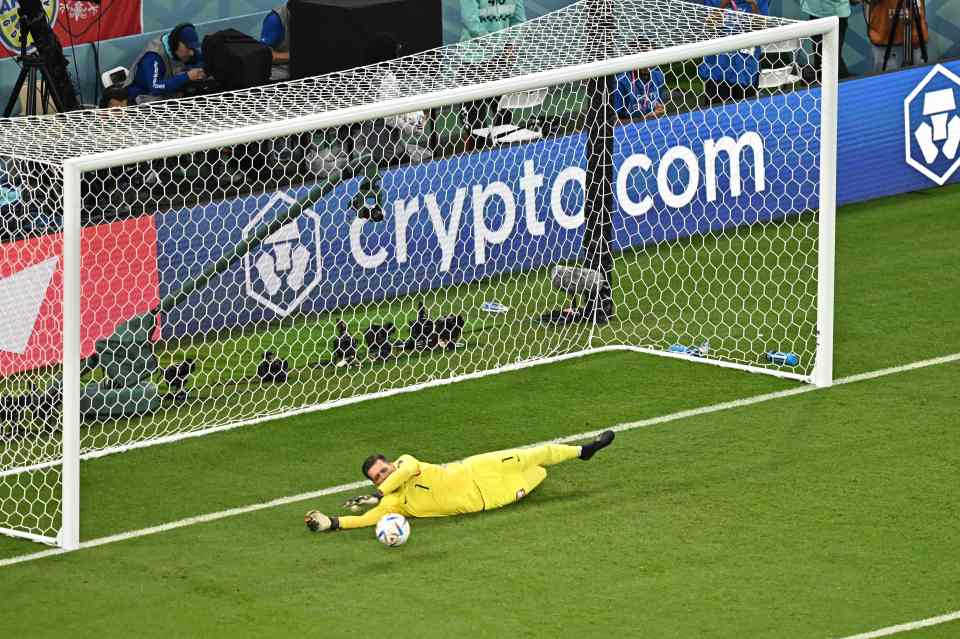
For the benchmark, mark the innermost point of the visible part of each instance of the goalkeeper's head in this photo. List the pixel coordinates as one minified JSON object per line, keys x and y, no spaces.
{"x":376,"y":468}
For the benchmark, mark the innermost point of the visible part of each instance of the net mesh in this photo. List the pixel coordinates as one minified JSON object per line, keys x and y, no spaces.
{"x":670,"y":208}
{"x":31,"y":326}
{"x":557,"y":40}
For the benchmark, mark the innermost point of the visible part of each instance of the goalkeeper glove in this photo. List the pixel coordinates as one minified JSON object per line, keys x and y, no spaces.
{"x":357,"y":503}
{"x":318,"y":522}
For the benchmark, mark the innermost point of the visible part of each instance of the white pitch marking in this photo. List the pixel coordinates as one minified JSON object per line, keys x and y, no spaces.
{"x":189,"y":521}
{"x":643,"y":423}
{"x":904,"y":627}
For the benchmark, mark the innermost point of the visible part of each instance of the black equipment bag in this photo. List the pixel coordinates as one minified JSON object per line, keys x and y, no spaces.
{"x":332,"y":35}
{"x":236,"y":60}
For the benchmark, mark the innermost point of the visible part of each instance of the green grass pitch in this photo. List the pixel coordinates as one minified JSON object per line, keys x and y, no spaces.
{"x":824,"y":514}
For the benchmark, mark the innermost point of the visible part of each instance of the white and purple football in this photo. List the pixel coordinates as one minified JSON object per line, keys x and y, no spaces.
{"x":393,"y":530}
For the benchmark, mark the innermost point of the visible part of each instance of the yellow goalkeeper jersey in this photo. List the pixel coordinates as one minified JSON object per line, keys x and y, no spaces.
{"x":419,"y":489}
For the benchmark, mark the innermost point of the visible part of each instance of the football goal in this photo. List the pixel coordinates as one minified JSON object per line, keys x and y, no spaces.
{"x":644,"y":175}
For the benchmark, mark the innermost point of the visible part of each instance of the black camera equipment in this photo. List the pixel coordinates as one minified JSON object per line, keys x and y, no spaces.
{"x":595,"y":304}
{"x":207,"y":86}
{"x":420,"y":330}
{"x":909,"y":23}
{"x":327,"y":36}
{"x":447,"y":331}
{"x":236,"y":60}
{"x":45,"y":67}
{"x":273,"y":370}
{"x":39,"y":407}
{"x":368,"y":202}
{"x":430,"y":334}
{"x":344,"y":346}
{"x":377,"y":338}
{"x":176,"y":376}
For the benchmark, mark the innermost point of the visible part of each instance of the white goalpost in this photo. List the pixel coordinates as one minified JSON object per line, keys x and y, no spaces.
{"x":634,"y":175}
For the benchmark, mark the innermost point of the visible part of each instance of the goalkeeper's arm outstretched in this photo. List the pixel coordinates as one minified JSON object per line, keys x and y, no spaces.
{"x":418,"y":489}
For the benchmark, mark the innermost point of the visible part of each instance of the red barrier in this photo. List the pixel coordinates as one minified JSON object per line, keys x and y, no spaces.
{"x":118,"y":277}
{"x":75,"y":22}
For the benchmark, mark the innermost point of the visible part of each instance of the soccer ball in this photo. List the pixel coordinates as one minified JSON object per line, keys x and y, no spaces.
{"x":393,"y":530}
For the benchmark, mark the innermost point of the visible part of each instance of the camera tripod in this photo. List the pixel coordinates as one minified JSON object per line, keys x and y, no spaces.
{"x":33,"y":70}
{"x":909,"y":24}
{"x":45,"y":67}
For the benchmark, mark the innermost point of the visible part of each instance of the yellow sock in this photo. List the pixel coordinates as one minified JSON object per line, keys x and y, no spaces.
{"x":549,"y":454}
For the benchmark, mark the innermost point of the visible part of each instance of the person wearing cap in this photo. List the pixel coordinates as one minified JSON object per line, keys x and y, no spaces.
{"x":166,"y":65}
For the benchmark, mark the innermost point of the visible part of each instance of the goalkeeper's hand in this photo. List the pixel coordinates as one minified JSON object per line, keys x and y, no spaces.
{"x":318,"y":522}
{"x":357,"y":503}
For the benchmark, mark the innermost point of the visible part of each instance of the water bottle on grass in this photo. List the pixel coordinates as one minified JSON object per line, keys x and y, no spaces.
{"x":494,"y":307}
{"x":782,"y":358}
{"x":693,"y":351}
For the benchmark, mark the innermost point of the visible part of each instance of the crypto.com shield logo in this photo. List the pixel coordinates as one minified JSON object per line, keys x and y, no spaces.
{"x":283,"y":270}
{"x":931,"y":120}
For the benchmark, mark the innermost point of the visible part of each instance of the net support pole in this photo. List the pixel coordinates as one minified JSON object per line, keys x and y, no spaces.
{"x":598,"y":204}
{"x":69,"y":537}
{"x":830,"y":57}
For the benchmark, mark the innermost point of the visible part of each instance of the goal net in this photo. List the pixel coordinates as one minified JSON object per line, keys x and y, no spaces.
{"x":620,"y":174}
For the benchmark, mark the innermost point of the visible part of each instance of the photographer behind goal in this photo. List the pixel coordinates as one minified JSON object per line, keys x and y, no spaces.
{"x":166,"y":66}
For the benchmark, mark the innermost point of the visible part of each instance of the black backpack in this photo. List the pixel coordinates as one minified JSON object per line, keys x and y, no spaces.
{"x":236,"y":60}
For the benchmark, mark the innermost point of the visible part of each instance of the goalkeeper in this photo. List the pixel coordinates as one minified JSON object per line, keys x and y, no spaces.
{"x":417,"y":489}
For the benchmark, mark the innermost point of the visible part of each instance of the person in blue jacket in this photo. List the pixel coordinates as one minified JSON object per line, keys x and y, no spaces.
{"x":639,"y":94}
{"x":166,"y":65}
{"x":275,"y":33}
{"x":732,"y":74}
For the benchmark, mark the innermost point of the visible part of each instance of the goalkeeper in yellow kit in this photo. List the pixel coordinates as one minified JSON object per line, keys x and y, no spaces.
{"x":417,"y":489}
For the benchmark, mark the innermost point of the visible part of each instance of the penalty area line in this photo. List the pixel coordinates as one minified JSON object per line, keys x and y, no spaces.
{"x":643,"y":423}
